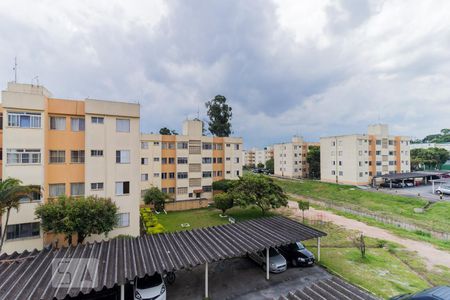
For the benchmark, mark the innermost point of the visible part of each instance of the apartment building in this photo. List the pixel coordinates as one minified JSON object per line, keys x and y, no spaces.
{"x":68,"y":147}
{"x":254,"y":156}
{"x":186,"y":165}
{"x":290,"y":158}
{"x":356,"y":159}
{"x":249,"y":158}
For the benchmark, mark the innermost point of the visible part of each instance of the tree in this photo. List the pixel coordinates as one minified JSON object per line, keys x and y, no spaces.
{"x":223,"y":185}
{"x":313,"y":159}
{"x":260,"y":165}
{"x":11,"y":193}
{"x":223,"y":201}
{"x":259,"y":190}
{"x":83,"y":216}
{"x":442,"y":137}
{"x":156,"y":197}
{"x":270,"y":166}
{"x":219,"y":113}
{"x":431,"y":158}
{"x":303,"y":205}
{"x":167,"y":131}
{"x":360,"y":244}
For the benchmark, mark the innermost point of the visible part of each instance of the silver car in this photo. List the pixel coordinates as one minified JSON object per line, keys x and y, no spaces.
{"x":277,"y":263}
{"x":443,"y":189}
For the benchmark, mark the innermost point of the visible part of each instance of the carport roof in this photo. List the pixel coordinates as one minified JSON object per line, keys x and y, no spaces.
{"x":30,"y":274}
{"x":399,"y":176}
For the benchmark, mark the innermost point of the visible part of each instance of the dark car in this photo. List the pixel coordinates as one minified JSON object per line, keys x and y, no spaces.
{"x":394,"y":184}
{"x":297,"y":254}
{"x":436,"y":293}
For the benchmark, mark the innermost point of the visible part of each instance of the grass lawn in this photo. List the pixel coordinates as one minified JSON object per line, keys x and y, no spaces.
{"x":394,"y":206}
{"x":204,"y":217}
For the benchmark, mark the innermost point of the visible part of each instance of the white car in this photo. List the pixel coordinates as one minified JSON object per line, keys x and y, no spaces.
{"x":150,"y":288}
{"x":277,"y":263}
{"x":443,"y":189}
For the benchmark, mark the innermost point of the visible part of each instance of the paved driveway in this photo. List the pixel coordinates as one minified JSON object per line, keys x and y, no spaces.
{"x":425,"y":191}
{"x":241,"y":278}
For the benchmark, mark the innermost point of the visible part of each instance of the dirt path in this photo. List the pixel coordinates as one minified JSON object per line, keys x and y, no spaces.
{"x":428,"y":252}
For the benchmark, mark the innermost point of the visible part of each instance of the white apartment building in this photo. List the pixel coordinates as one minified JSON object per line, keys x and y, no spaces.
{"x":356,"y":159}
{"x":290,"y":158}
{"x":256,"y":156}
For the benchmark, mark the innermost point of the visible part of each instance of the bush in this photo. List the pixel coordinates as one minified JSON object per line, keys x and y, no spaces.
{"x":381,"y":243}
{"x":223,"y":202}
{"x":150,"y":222}
{"x":223,"y":185}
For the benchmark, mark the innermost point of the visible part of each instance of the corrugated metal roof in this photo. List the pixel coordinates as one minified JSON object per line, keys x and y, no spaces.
{"x":329,"y":289}
{"x":29,"y":275}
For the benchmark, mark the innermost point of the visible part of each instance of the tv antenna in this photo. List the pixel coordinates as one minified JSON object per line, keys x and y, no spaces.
{"x":35,"y":78}
{"x":15,"y":69}
{"x":198,"y":112}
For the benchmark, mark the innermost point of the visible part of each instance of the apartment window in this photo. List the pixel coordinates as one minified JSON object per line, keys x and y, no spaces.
{"x":219,"y":160}
{"x":156,"y":159}
{"x":228,"y":159}
{"x":57,"y":156}
{"x":340,"y":153}
{"x":237,"y":173}
{"x":168,"y":145}
{"x":206,"y":160}
{"x":155,"y":174}
{"x":164,"y":190}
{"x":182,"y":160}
{"x":218,"y":173}
{"x":24,"y":120}
{"x":360,"y":174}
{"x":333,"y":163}
{"x":207,"y":188}
{"x":144,"y":177}
{"x":123,"y":220}
{"x":182,"y":145}
{"x":182,"y":190}
{"x":377,"y":152}
{"x":24,"y":230}
{"x":333,"y":172}
{"x":123,"y":156}
{"x":144,"y":161}
{"x":360,"y":153}
{"x":77,"y":156}
{"x":182,"y":175}
{"x":122,"y":125}
{"x":97,"y":120}
{"x":206,"y":146}
{"x":155,"y":143}
{"x":171,"y":160}
{"x":341,"y":173}
{"x":391,"y":142}
{"x":163,"y":175}
{"x":144,"y":145}
{"x":56,"y":190}
{"x":171,"y":175}
{"x":378,"y":163}
{"x":333,"y":143}
{"x":77,"y":189}
{"x":236,"y":146}
{"x":77,"y":124}
{"x":97,"y":186}
{"x":340,"y":162}
{"x":207,"y":174}
{"x":122,"y":188}
{"x":378,"y":142}
{"x":164,"y":160}
{"x":23,"y":156}
{"x":33,"y":197}
{"x":228,"y":145}
{"x":171,"y":190}
{"x":218,"y":146}
{"x":58,"y":123}
{"x":228,"y":172}
{"x":96,"y":153}
{"x":236,"y":160}
{"x":360,"y":163}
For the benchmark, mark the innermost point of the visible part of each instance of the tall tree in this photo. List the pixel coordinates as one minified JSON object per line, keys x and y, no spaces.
{"x":431,"y":158}
{"x":313,"y":159}
{"x":156,"y":197}
{"x":167,"y":131}
{"x":270,"y":166}
{"x":11,"y":193}
{"x":82,"y":215}
{"x":259,"y":190}
{"x":219,"y":113}
{"x":223,"y":201}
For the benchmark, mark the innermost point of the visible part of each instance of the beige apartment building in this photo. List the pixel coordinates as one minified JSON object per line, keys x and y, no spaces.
{"x":255,"y":156}
{"x":290,"y":158}
{"x":356,"y":159}
{"x":186,"y":165}
{"x":68,"y":147}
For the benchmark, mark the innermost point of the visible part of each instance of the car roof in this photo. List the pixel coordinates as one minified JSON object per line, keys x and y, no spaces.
{"x":439,"y":292}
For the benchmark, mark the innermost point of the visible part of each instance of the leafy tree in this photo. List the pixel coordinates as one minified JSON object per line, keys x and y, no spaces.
{"x":360,"y":244}
{"x":167,"y":131}
{"x":219,"y":113}
{"x":303,"y":205}
{"x":81,"y":215}
{"x":431,"y":158}
{"x":223,"y":185}
{"x":156,"y":197}
{"x":260,"y":165}
{"x":313,"y":159}
{"x":442,"y":137}
{"x":270,"y":166}
{"x":259,"y":190}
{"x":223,"y":201}
{"x":11,"y":193}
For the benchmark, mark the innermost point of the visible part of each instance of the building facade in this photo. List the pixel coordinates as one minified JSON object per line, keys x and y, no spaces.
{"x":356,"y":159}
{"x":290,"y":158}
{"x":186,"y":165}
{"x":68,"y":147}
{"x":254,"y":156}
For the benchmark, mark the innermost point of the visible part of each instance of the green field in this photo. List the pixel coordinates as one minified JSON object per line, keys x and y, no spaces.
{"x":436,"y":217}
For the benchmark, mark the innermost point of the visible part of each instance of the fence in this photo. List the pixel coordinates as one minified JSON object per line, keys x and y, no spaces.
{"x":186,"y":204}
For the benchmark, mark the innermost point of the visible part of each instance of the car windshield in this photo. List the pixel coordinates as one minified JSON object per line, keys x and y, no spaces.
{"x":299,"y":246}
{"x":273,"y":252}
{"x":149,"y":281}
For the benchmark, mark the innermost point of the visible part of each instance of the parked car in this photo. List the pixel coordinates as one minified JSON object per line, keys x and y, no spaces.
{"x":297,"y":254}
{"x":395,"y":184}
{"x":150,"y":287}
{"x":443,"y":189}
{"x":436,"y":293}
{"x":277,"y":263}
{"x":409,"y":183}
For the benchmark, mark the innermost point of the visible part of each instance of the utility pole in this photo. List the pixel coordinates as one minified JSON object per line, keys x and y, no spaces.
{"x":15,"y":69}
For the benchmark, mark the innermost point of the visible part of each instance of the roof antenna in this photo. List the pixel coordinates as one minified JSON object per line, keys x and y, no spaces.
{"x":15,"y":69}
{"x":35,"y":78}
{"x":198,"y":112}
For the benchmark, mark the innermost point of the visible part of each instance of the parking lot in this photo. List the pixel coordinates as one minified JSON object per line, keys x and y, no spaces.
{"x":421,"y":191}
{"x":241,"y":278}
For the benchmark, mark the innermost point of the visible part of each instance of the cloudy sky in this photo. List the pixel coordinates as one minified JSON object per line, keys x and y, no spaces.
{"x":312,"y":68}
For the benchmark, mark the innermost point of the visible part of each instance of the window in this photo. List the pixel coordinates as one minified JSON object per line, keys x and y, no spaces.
{"x":23,"y":156}
{"x":182,"y":160}
{"x":77,"y":156}
{"x":171,"y":160}
{"x":57,"y":156}
{"x":56,"y":190}
{"x":163,"y":175}
{"x":182,"y":190}
{"x":123,"y":156}
{"x":341,"y":173}
{"x":219,"y":160}
{"x":77,"y":124}
{"x":218,"y":146}
{"x":207,"y":174}
{"x":207,"y":188}
{"x":171,"y":190}
{"x":155,"y":143}
{"x":182,"y":175}
{"x":144,"y":177}
{"x":360,"y":153}
{"x":206,"y":146}
{"x":228,"y":145}
{"x":97,"y":120}
{"x":360,"y":174}
{"x":236,"y":147}
{"x":378,"y":163}
{"x":377,"y":152}
{"x":182,"y":145}
{"x":144,"y":161}
{"x":96,"y":153}
{"x":206,"y":160}
{"x":378,"y":142}
{"x":164,"y":190}
{"x":236,"y":160}
{"x":24,"y":120}
{"x":57,"y":123}
{"x":156,"y":159}
{"x":24,"y":230}
{"x":122,"y":188}
{"x":340,"y":162}
{"x":77,"y":189}
{"x":228,"y":158}
{"x":172,"y":175}
{"x":122,"y":125}
{"x":144,"y":145}
{"x":155,"y":174}
{"x":164,"y":160}
{"x":97,"y":186}
{"x":123,"y":220}
{"x":168,"y":145}
{"x":333,"y":172}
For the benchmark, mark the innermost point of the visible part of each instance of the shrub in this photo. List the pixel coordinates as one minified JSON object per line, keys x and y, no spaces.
{"x":381,"y":243}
